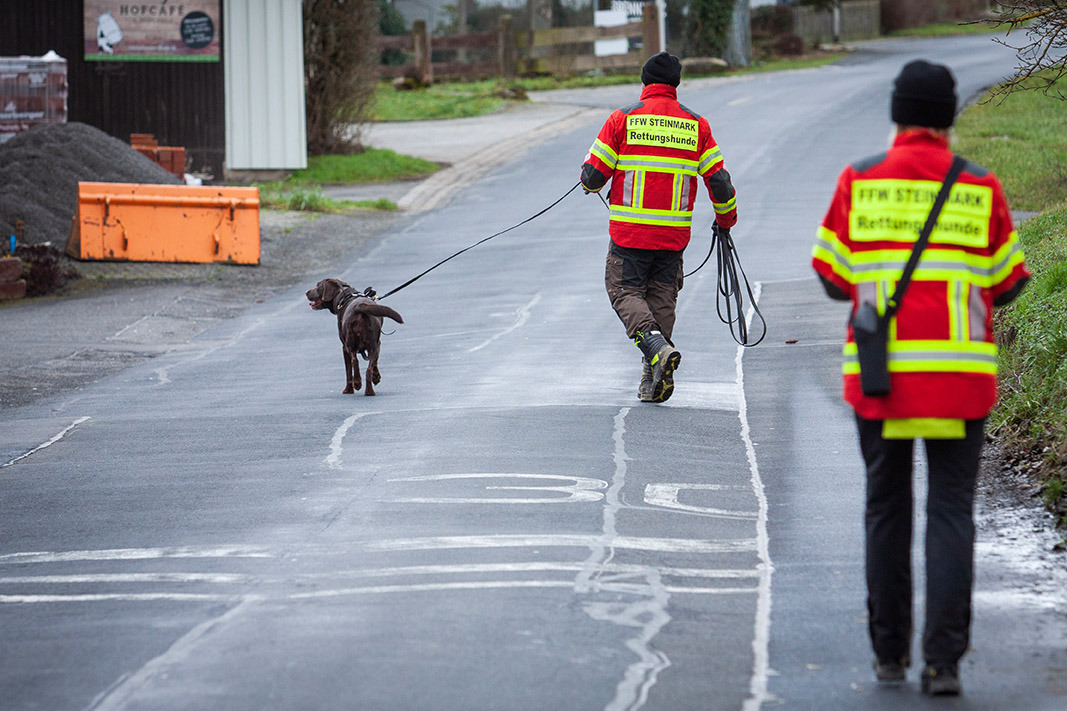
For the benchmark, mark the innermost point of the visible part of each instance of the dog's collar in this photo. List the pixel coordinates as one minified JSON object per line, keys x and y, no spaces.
{"x":347,"y":295}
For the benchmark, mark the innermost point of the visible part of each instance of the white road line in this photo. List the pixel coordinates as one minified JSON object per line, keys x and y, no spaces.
{"x":663,"y":545}
{"x":581,"y":489}
{"x":522,"y":315}
{"x":117,"y":597}
{"x":333,"y":459}
{"x":648,"y":613}
{"x":633,"y":612}
{"x":126,"y":578}
{"x":666,"y":496}
{"x":758,"y":693}
{"x":49,"y":443}
{"x":136,"y":554}
{"x":123,"y":692}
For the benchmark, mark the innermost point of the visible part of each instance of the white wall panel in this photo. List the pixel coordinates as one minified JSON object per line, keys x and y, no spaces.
{"x":263,"y":49}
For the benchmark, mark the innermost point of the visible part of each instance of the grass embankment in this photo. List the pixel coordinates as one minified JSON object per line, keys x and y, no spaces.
{"x":448,"y":100}
{"x":949,"y":29}
{"x":1024,"y":141}
{"x":303,"y":189}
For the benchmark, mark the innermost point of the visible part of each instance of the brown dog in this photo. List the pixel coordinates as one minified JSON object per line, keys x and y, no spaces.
{"x":359,"y":324}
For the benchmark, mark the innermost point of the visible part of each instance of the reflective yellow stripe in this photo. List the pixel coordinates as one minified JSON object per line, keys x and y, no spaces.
{"x":958,"y":296}
{"x":1009,"y":256}
{"x":644,"y":216}
{"x":926,"y":427}
{"x":931,"y":356}
{"x":724,"y":207}
{"x":895,"y":211}
{"x":711,"y":158}
{"x":935,"y":265}
{"x":829,"y":249}
{"x":657,"y":163}
{"x":603,"y":151}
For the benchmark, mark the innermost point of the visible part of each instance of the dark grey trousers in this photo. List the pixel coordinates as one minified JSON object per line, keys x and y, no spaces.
{"x":953,"y":469}
{"x":643,"y":286}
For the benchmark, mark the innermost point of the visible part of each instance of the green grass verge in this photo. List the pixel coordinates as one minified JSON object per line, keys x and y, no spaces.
{"x":309,"y":198}
{"x":1023,"y":139}
{"x":466,"y":99}
{"x":1032,"y":413}
{"x":949,"y":29}
{"x":373,"y":165}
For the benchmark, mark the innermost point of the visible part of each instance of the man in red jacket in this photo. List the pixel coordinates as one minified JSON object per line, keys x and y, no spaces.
{"x":654,"y":152}
{"x":941,"y":362}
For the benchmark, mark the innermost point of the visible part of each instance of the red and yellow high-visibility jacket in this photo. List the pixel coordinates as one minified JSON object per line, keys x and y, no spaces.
{"x":942,"y":357}
{"x":653,"y":152}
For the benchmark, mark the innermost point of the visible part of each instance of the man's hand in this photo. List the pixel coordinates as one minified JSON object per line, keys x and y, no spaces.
{"x":719,"y":231}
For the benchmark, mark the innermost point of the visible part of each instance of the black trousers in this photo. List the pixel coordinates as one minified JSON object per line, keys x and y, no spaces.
{"x":953,"y":469}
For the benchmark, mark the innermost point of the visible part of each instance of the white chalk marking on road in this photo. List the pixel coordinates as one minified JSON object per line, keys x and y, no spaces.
{"x":125,"y":578}
{"x":648,"y":614}
{"x":662,"y":545}
{"x":582,"y":489}
{"x":123,"y":693}
{"x":333,"y":459}
{"x":534,"y":567}
{"x":758,"y":693}
{"x":522,"y":315}
{"x":135,"y":554}
{"x":116,"y":597}
{"x":506,"y":584}
{"x":666,"y":496}
{"x":49,"y":443}
{"x":739,"y":101}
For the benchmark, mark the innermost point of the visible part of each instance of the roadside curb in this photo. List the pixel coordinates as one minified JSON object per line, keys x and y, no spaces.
{"x":440,"y":187}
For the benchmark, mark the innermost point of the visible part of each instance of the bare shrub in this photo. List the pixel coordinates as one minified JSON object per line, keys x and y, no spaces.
{"x":340,"y":67}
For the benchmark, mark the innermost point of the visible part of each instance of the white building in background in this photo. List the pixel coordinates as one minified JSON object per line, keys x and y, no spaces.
{"x":263,"y":56}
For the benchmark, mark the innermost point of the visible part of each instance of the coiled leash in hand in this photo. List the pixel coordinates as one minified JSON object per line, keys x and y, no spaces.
{"x":411,"y":281}
{"x":729,"y":295}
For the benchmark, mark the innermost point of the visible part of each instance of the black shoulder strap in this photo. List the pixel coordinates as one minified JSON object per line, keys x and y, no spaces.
{"x":924,"y":237}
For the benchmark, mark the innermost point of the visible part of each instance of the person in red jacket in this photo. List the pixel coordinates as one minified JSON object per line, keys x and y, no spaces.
{"x":941,"y":362}
{"x":654,"y":152}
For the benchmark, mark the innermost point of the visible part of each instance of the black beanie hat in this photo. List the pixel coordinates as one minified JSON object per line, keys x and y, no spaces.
{"x":924,"y":94}
{"x":662,"y":68}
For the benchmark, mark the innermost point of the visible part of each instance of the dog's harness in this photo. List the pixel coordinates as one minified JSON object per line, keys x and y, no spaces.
{"x":347,"y":294}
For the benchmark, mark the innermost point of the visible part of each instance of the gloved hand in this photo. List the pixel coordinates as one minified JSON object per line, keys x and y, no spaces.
{"x":721,"y":232}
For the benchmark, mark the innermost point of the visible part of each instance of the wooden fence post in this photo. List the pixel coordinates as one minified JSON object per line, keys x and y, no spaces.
{"x":506,"y":54}
{"x":650,"y":30}
{"x":423,"y":57}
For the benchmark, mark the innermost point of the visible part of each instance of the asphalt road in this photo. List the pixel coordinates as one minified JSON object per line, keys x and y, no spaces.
{"x":504,"y":526}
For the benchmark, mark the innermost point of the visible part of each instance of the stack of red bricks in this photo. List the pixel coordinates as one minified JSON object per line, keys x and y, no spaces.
{"x":12,"y":285}
{"x":171,"y":158}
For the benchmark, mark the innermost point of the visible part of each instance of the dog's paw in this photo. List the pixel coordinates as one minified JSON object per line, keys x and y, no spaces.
{"x":348,"y":390}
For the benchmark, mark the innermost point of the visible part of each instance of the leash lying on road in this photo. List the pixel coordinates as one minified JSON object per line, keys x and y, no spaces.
{"x":528,"y":219}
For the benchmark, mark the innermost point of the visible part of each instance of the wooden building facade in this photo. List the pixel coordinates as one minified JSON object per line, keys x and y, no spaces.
{"x":182,"y":103}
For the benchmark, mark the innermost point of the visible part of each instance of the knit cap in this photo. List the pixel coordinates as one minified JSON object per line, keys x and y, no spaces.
{"x":662,"y":68}
{"x":924,"y":94}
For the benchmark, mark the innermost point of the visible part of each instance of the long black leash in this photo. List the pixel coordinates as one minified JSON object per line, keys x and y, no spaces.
{"x":730,"y":297}
{"x":411,"y":281}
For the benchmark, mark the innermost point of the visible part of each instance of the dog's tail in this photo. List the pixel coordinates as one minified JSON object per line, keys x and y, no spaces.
{"x":373,"y":308}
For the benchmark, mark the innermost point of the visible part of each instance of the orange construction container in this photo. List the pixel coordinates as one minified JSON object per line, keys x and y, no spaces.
{"x":165,"y":223}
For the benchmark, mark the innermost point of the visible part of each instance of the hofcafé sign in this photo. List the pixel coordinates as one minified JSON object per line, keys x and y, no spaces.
{"x":161,"y":31}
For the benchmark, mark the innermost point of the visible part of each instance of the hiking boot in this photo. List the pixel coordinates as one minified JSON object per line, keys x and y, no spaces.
{"x":941,"y":680}
{"x":644,"y":390}
{"x":890,"y":671}
{"x":663,"y":359}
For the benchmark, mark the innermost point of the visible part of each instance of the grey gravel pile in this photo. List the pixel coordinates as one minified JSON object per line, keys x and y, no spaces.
{"x":40,"y":170}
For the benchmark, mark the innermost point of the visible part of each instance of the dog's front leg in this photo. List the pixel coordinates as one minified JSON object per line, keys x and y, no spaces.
{"x":352,"y":382}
